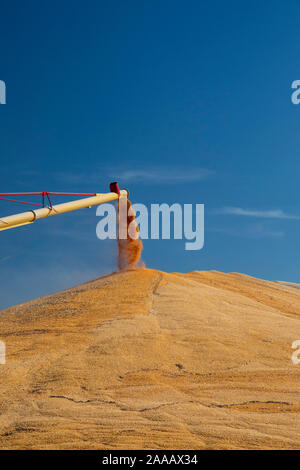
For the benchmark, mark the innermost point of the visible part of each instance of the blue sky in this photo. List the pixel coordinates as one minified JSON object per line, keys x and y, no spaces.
{"x":185,"y":102}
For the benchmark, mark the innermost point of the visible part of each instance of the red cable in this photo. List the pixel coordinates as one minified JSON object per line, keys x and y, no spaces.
{"x":22,"y":202}
{"x":73,"y":194}
{"x":23,"y":194}
{"x":43,"y":194}
{"x":47,"y":192}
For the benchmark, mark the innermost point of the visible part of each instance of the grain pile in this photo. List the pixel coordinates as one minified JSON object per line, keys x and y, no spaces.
{"x":142,"y":359}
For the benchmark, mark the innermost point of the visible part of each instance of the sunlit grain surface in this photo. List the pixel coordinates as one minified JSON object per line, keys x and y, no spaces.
{"x":147,"y":360}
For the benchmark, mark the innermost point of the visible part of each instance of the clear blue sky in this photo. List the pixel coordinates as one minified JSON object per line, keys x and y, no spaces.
{"x":164,"y":88}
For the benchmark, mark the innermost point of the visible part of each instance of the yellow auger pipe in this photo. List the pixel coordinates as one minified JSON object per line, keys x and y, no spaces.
{"x":31,"y":216}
